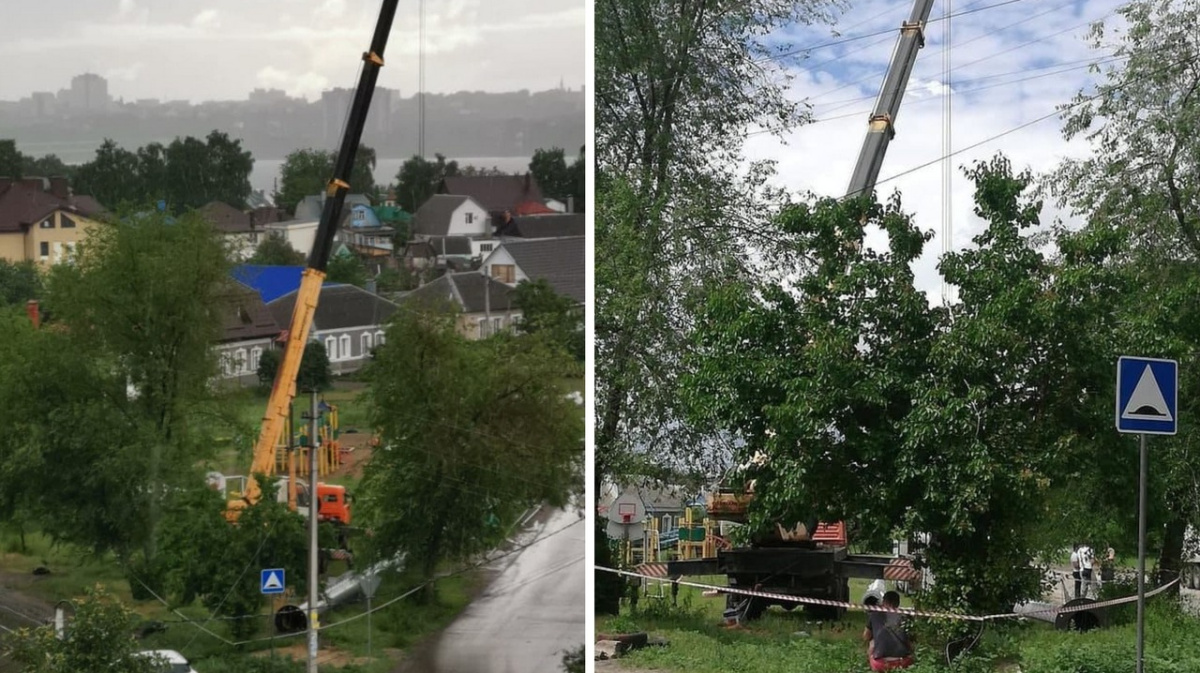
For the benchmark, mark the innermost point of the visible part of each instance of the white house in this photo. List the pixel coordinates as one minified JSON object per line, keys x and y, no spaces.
{"x":349,"y":321}
{"x":560,"y":261}
{"x":248,"y":330}
{"x":449,"y":215}
{"x":299,"y":233}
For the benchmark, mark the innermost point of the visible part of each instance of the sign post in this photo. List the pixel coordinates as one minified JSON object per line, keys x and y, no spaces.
{"x":1147,"y":404}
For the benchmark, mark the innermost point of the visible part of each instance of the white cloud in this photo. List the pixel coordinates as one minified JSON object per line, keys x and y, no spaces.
{"x":127,"y":73}
{"x":308,"y":84}
{"x":821,"y":156}
{"x":209,"y":18}
{"x":330,"y":9}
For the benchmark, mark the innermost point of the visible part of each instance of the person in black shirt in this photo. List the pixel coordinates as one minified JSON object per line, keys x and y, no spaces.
{"x":888,"y":644}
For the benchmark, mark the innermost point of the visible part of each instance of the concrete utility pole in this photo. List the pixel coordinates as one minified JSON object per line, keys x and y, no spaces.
{"x":314,"y":504}
{"x":882,"y":124}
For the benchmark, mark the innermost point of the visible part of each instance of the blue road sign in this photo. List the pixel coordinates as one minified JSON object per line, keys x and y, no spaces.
{"x":271,"y":581}
{"x":1147,"y":395}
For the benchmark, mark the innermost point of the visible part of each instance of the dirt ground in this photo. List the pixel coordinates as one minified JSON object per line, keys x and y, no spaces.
{"x":360,"y":453}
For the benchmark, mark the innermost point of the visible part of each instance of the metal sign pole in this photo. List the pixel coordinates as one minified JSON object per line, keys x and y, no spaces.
{"x":1141,"y":603}
{"x":314,"y":504}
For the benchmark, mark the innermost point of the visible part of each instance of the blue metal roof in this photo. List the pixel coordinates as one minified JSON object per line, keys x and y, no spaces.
{"x":271,"y":282}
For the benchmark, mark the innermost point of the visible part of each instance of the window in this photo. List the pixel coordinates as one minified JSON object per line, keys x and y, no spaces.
{"x":331,"y":348}
{"x":44,"y":248}
{"x":346,"y":350}
{"x":470,"y":218}
{"x":227,"y":364}
{"x":366,"y":343}
{"x":483,"y":325}
{"x":497,"y":325}
{"x":359,"y":215}
{"x":255,"y":356}
{"x":379,"y":338}
{"x":239,"y":361}
{"x":47,"y":223}
{"x":505,"y":273}
{"x":486,"y":247}
{"x":666,"y":523}
{"x":67,"y":223}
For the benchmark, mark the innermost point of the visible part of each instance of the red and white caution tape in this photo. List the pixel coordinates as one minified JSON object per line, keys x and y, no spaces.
{"x":879,"y":608}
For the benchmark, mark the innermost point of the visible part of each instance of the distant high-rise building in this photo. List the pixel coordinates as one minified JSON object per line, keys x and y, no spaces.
{"x":44,"y":103}
{"x":88,"y":93}
{"x":335,"y":107}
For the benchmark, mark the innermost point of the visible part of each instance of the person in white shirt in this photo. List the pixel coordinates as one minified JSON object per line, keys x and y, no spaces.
{"x":1086,"y":557}
{"x":1075,"y":567}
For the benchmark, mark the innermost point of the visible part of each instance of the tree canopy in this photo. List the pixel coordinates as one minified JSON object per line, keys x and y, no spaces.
{"x":275,"y":250}
{"x":467,"y":443}
{"x":307,"y":171}
{"x":418,"y":180}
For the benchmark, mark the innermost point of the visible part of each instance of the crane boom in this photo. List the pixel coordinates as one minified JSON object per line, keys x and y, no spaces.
{"x":283,"y":391}
{"x":881,"y":126}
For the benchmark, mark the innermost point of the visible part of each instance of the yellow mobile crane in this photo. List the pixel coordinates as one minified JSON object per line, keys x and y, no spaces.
{"x":333,"y":504}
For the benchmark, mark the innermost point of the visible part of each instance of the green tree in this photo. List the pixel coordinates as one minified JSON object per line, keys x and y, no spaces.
{"x":100,"y":637}
{"x":213,"y":169}
{"x":109,"y":177}
{"x":418,"y":180}
{"x":12,"y":162}
{"x":47,"y":166}
{"x":1143,"y":177}
{"x":307,"y":171}
{"x":347,"y":268}
{"x":274,"y":250}
{"x":139,"y":311}
{"x":152,"y":172}
{"x":578,"y":181}
{"x":267,"y":535}
{"x":549,"y":168}
{"x":399,"y":279}
{"x":544,"y":311}
{"x":19,"y":282}
{"x":677,"y":85}
{"x":460,"y":454}
{"x":315,"y":371}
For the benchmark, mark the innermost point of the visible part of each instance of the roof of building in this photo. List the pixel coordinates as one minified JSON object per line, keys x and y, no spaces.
{"x":466,"y":289}
{"x":245,"y":316}
{"x":451,"y":245}
{"x":557,"y":225}
{"x":271,"y":282}
{"x":494,"y":192}
{"x":433,"y":217}
{"x":532,"y":207}
{"x":225,"y":218}
{"x":559,"y":260}
{"x":340,"y":307}
{"x":22,"y":204}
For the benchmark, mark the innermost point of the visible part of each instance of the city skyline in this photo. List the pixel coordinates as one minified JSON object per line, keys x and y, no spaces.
{"x":221,"y":49}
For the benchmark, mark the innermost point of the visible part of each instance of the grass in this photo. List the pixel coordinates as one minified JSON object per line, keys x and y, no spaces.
{"x":791,"y":642}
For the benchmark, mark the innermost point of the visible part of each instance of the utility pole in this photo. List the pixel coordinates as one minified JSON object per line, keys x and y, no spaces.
{"x":313,"y":509}
{"x":487,"y":304}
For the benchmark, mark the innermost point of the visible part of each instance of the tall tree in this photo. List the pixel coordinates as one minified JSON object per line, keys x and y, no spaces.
{"x":315,"y":372}
{"x":349,"y":269}
{"x":549,"y":168}
{"x":152,"y":172}
{"x":459,"y":456}
{"x":109,"y":177}
{"x":137,"y":315}
{"x":578,"y":180}
{"x":544,"y":311}
{"x":308,"y":171}
{"x":1143,"y":175}
{"x":213,"y":169}
{"x":677,"y":86}
{"x":418,"y":180}
{"x":12,"y":162}
{"x":47,"y":166}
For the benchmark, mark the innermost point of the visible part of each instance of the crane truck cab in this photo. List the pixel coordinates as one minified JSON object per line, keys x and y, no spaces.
{"x":334,"y":504}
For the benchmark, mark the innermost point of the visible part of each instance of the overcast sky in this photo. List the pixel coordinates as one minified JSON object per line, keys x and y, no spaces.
{"x":221,"y":49}
{"x":1037,"y":41}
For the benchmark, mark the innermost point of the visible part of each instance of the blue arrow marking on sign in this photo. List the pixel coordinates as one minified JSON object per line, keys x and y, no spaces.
{"x":272,"y":581}
{"x":1147,"y":395}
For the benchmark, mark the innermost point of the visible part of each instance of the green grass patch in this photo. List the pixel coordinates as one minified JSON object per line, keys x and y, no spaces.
{"x":791,"y":642}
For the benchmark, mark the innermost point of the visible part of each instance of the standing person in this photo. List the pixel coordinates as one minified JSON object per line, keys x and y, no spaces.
{"x":888,"y":643}
{"x":1075,"y":567}
{"x":1086,"y":557}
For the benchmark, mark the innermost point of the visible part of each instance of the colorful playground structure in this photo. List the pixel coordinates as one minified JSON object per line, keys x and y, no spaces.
{"x":695,"y":538}
{"x":329,"y":449}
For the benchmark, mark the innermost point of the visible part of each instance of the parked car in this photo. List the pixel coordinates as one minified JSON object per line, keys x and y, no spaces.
{"x":170,"y":660}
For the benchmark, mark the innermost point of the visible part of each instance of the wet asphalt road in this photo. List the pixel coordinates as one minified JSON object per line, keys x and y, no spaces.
{"x":531,"y":612}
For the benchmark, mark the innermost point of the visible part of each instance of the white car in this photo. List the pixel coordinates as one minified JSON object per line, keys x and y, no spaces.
{"x":170,"y":660}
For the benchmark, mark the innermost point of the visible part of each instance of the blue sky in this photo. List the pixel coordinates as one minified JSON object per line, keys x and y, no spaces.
{"x":1011,"y":64}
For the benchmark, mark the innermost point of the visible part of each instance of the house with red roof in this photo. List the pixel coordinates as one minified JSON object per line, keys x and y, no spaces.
{"x":40,"y":220}
{"x":499,"y":194}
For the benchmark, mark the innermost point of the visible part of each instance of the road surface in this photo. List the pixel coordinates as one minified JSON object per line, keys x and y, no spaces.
{"x":530,"y":613}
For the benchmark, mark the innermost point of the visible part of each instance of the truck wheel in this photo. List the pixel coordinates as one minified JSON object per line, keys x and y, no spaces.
{"x":840,"y":592}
